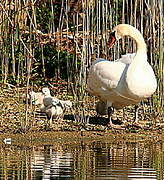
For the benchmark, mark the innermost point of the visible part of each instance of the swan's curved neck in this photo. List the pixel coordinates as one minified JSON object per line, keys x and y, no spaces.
{"x":137,"y":36}
{"x":141,"y":45}
{"x":128,"y":30}
{"x":141,"y":53}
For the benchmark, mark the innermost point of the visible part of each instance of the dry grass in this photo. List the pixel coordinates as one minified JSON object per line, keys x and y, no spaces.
{"x":80,"y":30}
{"x":18,"y":117}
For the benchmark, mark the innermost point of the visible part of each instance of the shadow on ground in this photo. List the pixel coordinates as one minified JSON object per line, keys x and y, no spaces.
{"x":87,"y":119}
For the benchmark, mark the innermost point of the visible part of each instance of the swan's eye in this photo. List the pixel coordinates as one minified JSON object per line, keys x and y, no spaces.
{"x":112,"y":39}
{"x":113,"y":33}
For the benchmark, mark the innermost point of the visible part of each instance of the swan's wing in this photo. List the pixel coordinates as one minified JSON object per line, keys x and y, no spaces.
{"x":104,"y":76}
{"x":127,"y":58}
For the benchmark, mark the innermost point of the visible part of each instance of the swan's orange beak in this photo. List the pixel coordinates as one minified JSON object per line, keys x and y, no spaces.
{"x":112,"y":39}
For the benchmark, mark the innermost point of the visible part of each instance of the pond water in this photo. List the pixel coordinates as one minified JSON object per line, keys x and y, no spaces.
{"x":97,"y":159}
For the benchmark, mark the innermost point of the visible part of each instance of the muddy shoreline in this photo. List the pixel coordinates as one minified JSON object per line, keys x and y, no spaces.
{"x":76,"y":137}
{"x":23,"y":123}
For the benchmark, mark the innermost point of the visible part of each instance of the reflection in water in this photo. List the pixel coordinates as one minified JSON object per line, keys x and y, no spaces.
{"x":49,"y":164}
{"x":99,"y":160}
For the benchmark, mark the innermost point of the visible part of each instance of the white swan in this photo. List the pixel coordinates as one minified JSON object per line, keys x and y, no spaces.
{"x":127,"y":80}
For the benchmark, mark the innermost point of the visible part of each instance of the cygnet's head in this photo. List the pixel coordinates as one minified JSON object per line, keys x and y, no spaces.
{"x":32,"y":97}
{"x":32,"y":94}
{"x":46,"y":91}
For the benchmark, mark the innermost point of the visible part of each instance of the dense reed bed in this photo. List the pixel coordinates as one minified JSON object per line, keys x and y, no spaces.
{"x":44,"y":41}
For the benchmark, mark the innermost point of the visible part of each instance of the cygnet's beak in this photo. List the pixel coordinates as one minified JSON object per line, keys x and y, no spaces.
{"x":112,"y":39}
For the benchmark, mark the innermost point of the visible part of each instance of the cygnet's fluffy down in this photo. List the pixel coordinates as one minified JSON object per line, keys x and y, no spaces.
{"x":52,"y":111}
{"x":52,"y":106}
{"x":66,"y":104}
{"x":35,"y":98}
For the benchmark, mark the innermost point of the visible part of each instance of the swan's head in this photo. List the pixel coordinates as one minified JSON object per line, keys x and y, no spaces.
{"x":119,"y":31}
{"x":46,"y":91}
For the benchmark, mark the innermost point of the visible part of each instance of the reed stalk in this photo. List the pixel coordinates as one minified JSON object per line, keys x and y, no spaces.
{"x":27,"y":27}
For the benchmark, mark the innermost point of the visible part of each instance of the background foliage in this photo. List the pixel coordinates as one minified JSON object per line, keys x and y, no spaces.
{"x":42,"y":41}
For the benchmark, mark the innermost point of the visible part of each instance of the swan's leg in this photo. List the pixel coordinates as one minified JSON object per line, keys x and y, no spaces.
{"x":136,"y":114}
{"x":136,"y":123}
{"x":123,"y":114}
{"x":101,"y":108}
{"x":110,"y":112}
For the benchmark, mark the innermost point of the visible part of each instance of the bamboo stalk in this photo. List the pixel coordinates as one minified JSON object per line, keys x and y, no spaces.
{"x":22,"y":34}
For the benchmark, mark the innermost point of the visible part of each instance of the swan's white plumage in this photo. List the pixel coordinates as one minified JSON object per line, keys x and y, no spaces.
{"x":127,"y":80}
{"x":105,"y":81}
{"x":127,"y":58}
